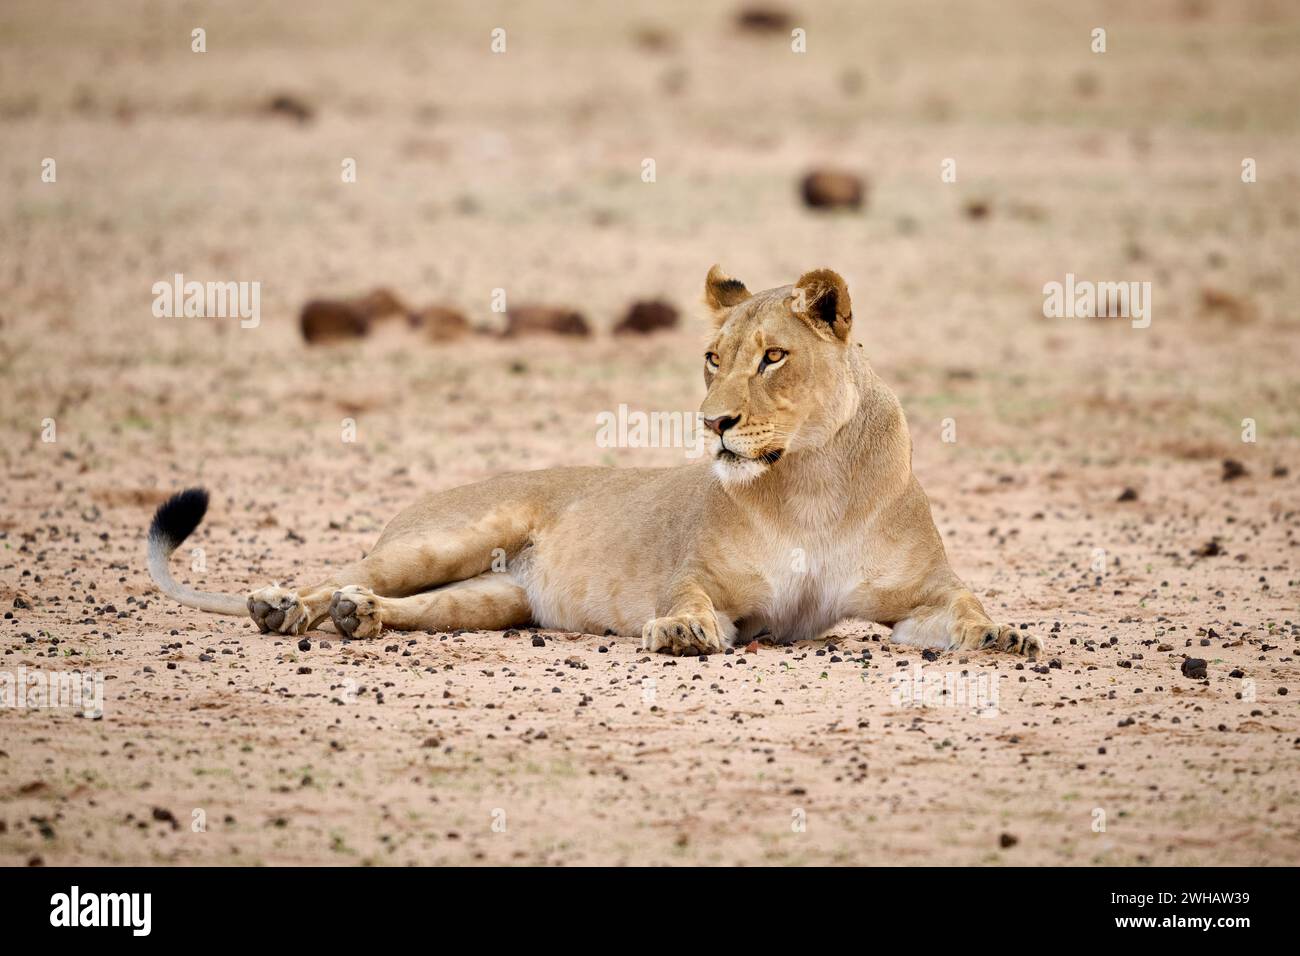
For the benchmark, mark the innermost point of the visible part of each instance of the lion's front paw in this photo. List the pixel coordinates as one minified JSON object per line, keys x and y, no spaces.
{"x":983,"y":635}
{"x":684,"y":634}
{"x":277,"y":610}
{"x":355,"y":612}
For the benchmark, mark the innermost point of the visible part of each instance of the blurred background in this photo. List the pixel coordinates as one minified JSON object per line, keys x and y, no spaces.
{"x":522,"y":170}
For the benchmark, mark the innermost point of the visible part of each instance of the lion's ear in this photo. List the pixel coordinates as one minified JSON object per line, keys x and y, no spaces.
{"x":721,"y":291}
{"x":821,"y":298}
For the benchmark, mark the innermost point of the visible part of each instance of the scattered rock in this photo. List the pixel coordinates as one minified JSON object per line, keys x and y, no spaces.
{"x":380,"y":304}
{"x":1211,"y":549}
{"x":441,"y":323}
{"x":1128,"y":494}
{"x":332,"y":320}
{"x":1219,"y":302}
{"x":648,"y":316}
{"x":291,"y":107}
{"x":324,"y":321}
{"x":1194,"y":667}
{"x":1007,"y":840}
{"x":545,"y":319}
{"x":977,"y":209}
{"x":163,"y":815}
{"x":1233,"y":469}
{"x":833,"y":189}
{"x":760,"y":19}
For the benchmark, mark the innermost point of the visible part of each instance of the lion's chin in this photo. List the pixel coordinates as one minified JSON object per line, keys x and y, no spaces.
{"x":733,"y":469}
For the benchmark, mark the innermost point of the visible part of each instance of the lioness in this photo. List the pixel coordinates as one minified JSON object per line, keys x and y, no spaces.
{"x":807,"y":513}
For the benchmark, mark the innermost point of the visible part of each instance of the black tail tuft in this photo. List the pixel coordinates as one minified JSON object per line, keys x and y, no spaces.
{"x":178,"y":516}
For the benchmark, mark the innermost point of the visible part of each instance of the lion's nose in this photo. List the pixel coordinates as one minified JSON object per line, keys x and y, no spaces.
{"x":720,"y":425}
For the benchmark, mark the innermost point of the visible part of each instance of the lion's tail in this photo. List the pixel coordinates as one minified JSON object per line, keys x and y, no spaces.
{"x":173,"y":522}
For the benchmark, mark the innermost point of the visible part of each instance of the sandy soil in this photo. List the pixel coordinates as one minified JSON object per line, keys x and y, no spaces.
{"x":523,"y":171}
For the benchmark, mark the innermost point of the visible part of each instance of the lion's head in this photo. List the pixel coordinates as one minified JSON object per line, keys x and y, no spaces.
{"x":777,"y":370}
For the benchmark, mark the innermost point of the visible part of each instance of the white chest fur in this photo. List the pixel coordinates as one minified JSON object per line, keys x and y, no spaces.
{"x":808,"y":584}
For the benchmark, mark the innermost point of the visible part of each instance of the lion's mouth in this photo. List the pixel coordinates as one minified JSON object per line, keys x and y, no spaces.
{"x":767,"y":457}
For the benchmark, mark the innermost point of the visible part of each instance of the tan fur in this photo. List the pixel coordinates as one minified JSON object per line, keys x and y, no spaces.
{"x":807,"y":515}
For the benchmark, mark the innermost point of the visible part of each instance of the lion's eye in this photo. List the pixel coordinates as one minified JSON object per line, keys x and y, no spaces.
{"x":711,"y":360}
{"x":772,"y":357}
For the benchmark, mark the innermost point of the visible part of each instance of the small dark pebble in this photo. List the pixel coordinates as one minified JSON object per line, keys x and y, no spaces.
{"x":163,"y":815}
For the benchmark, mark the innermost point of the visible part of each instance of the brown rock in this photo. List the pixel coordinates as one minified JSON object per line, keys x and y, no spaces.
{"x":380,"y":304}
{"x":761,"y":19}
{"x":440,"y":323}
{"x":977,"y":209}
{"x":330,"y":320}
{"x":1211,"y":549}
{"x":1221,"y":302}
{"x":648,"y":316}
{"x":1233,"y":469}
{"x":287,"y":105}
{"x":545,"y":319}
{"x":833,"y":189}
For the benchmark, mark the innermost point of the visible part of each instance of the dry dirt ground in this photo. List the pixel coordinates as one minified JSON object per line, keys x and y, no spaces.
{"x":522,"y":171}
